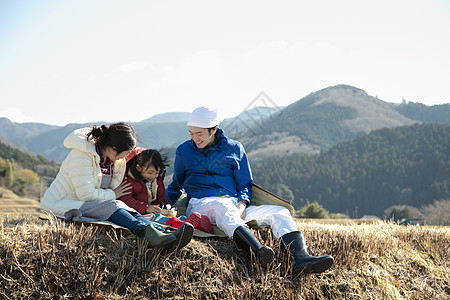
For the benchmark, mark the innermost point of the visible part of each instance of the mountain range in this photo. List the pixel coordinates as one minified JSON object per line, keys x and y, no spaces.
{"x":154,"y":132}
{"x":330,"y":116}
{"x":314,"y":123}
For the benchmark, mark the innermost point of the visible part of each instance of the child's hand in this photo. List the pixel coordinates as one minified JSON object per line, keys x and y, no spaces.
{"x":153,"y":209}
{"x":123,"y":189}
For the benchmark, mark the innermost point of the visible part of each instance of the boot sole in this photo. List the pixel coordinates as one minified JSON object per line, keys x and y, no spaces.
{"x":181,"y":241}
{"x":317,"y":267}
{"x":186,"y":236}
{"x":265,"y":256}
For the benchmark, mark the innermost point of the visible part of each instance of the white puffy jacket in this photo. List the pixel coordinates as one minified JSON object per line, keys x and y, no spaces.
{"x":79,"y":177}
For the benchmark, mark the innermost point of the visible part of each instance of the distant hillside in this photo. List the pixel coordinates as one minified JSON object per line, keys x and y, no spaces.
{"x":436,"y":114}
{"x":407,"y":165}
{"x":5,"y":141}
{"x":319,"y":121}
{"x":159,"y":135}
{"x":257,"y":113}
{"x":18,"y":133}
{"x":152,"y":132}
{"x":50,"y":143}
{"x":169,"y":117}
{"x":254,"y":113}
{"x":154,"y":135}
{"x":39,"y":164}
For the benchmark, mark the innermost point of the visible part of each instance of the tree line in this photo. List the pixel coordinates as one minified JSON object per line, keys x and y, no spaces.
{"x":21,"y":171}
{"x":407,"y":165}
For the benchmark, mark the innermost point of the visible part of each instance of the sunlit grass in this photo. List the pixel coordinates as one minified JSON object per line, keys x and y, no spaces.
{"x":51,"y":259}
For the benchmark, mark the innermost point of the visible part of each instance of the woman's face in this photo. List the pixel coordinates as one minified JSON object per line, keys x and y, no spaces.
{"x":201,"y":136}
{"x":113,"y":155}
{"x":148,"y":173}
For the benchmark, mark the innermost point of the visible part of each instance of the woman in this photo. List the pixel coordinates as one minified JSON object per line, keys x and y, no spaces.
{"x":90,"y":180}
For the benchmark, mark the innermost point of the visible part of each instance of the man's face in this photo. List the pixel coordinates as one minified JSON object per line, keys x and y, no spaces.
{"x":201,"y":136}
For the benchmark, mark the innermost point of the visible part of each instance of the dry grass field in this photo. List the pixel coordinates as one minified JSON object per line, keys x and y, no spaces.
{"x":12,"y":204}
{"x":50,"y":259}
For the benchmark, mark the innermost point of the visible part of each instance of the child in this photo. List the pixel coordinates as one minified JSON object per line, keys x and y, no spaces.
{"x":148,"y":166}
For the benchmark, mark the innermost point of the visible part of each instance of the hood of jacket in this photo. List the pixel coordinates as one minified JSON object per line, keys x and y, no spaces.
{"x":135,"y":152}
{"x":77,"y":140}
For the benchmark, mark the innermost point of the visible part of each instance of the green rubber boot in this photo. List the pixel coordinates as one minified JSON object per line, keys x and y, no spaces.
{"x":183,"y":237}
{"x":156,"y":238}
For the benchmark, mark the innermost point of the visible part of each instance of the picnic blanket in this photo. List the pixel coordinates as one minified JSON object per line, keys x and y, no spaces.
{"x":260,"y":196}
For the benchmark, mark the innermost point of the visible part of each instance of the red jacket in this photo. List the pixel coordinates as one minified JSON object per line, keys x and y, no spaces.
{"x":139,"y":197}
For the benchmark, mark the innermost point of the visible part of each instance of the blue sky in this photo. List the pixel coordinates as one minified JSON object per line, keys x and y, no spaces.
{"x":84,"y":61}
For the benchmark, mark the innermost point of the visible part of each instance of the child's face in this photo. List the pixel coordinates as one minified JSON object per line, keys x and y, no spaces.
{"x":149,"y":173}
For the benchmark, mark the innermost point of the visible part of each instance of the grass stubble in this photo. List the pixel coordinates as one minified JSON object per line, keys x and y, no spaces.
{"x":56,"y":260}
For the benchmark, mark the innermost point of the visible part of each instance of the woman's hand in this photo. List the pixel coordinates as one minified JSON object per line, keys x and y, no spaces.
{"x":241,"y":208}
{"x":153,"y":209}
{"x":123,"y":189}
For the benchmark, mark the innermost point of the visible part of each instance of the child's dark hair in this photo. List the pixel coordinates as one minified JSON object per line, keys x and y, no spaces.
{"x":153,"y":157}
{"x":120,"y":136}
{"x":147,"y":158}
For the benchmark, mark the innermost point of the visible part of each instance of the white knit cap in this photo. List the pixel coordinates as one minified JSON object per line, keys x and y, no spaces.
{"x":204,"y":117}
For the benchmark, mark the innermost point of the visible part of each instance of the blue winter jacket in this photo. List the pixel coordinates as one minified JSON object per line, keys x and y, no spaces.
{"x":220,"y":170}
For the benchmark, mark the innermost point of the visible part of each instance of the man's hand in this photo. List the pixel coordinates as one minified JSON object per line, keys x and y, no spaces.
{"x":241,"y":207}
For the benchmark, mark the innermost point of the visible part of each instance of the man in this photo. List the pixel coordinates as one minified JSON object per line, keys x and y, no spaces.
{"x":215,"y":173}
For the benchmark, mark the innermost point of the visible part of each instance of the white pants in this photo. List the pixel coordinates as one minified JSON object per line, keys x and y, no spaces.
{"x":223,"y":212}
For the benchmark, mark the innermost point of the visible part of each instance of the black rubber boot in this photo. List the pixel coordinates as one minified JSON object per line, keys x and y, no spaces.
{"x":303,"y":262}
{"x":245,"y":239}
